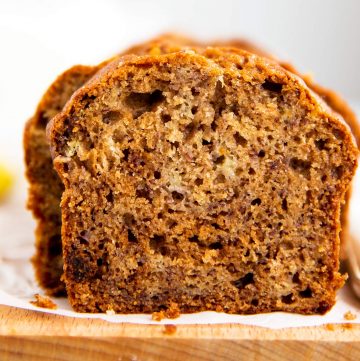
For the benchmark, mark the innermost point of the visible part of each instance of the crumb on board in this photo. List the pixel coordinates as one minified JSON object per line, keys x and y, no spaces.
{"x":330,"y":327}
{"x":169,"y":329}
{"x":158,"y":316}
{"x":349,"y":316}
{"x":173,"y":311}
{"x":44,"y":302}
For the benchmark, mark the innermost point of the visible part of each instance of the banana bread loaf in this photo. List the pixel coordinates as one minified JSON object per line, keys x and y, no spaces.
{"x":45,"y":186}
{"x":209,"y":180}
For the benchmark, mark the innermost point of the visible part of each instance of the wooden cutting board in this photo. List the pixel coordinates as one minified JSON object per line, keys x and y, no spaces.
{"x":30,"y":335}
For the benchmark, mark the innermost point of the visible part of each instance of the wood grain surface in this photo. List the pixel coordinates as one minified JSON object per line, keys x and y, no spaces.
{"x":30,"y":335}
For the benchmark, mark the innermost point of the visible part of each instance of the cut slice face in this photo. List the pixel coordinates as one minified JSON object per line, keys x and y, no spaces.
{"x":209,"y":180}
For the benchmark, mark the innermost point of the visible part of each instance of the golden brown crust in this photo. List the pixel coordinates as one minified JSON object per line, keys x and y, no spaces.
{"x":120,"y":274}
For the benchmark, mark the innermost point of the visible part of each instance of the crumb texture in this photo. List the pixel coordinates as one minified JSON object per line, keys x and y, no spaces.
{"x":208,"y":181}
{"x":169,"y":330}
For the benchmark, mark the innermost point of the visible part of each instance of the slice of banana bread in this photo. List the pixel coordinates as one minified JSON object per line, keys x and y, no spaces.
{"x":208,"y":180}
{"x":45,"y":187}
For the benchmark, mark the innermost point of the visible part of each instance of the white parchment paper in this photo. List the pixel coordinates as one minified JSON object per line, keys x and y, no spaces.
{"x":17,"y":284}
